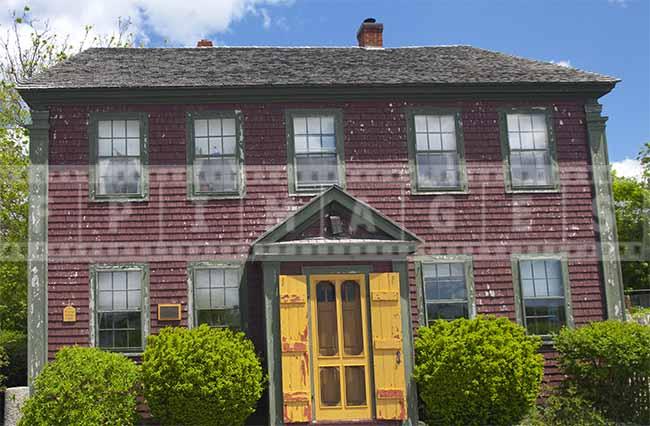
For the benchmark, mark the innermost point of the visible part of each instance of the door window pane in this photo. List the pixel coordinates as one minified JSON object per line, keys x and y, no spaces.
{"x":542,"y":289}
{"x":355,"y":386}
{"x":352,"y":325}
{"x":445,"y":291}
{"x":327,"y":319}
{"x":330,"y":386}
{"x":216,"y":297}
{"x":437,"y":157}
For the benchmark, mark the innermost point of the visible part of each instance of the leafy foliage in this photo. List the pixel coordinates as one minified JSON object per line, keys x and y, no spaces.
{"x":202,"y":376}
{"x":84,"y":386}
{"x":3,"y":363}
{"x":608,"y":364}
{"x":565,"y":409}
{"x":475,"y":372}
{"x":632,"y":203}
{"x":14,"y":344}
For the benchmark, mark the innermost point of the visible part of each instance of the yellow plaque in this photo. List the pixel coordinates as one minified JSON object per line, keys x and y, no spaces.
{"x":69,"y":314}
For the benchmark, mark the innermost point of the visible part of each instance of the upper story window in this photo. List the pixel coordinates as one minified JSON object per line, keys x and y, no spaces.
{"x":120,"y":293}
{"x":543,"y":289}
{"x":216,"y":295}
{"x":530,"y":151}
{"x":437,"y":152}
{"x":215,"y":154}
{"x":315,"y":150}
{"x":447,"y":286}
{"x":118,"y":155}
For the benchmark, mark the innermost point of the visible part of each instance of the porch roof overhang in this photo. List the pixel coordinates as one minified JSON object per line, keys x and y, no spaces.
{"x":396,"y":242}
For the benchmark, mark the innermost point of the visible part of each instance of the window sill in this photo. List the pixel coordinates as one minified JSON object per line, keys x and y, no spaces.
{"x":533,"y":190}
{"x":456,"y":191}
{"x":223,"y":196}
{"x":117,"y":199}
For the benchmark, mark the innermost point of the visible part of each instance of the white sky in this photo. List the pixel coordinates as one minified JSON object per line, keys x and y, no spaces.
{"x":628,"y":168}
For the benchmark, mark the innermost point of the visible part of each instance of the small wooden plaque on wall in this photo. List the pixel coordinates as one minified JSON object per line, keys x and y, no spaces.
{"x":169,"y":312}
{"x":69,"y":314}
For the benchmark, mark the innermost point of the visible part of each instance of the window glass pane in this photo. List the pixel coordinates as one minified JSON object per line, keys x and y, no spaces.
{"x":214,"y":127}
{"x":314,"y":144}
{"x":313,"y":125}
{"x":444,"y":281}
{"x":526,"y":269}
{"x":217,"y":298}
{"x":539,"y":269}
{"x":513,"y":122}
{"x":553,"y":269}
{"x":105,"y":339}
{"x":540,"y":287}
{"x":352,"y":325}
{"x":544,"y":316}
{"x":420,"y":123}
{"x":133,"y":300}
{"x":208,"y":175}
{"x":201,"y":146}
{"x":217,"y":278}
{"x":525,"y":122}
{"x":539,"y":122}
{"x":134,"y":279}
{"x":119,"y":300}
{"x":133,"y":129}
{"x":133,"y":147}
{"x":200,"y":127}
{"x":355,"y":386}
{"x":530,"y":160}
{"x":527,"y":141}
{"x":300,"y":125}
{"x":316,"y":169}
{"x":232,"y":296}
{"x":540,"y":140}
{"x":119,"y":129}
{"x":104,"y":129}
{"x":528,"y":287}
{"x":232,"y":277}
{"x":119,"y":176}
{"x":202,"y":297}
{"x":229,"y":145}
{"x":447,"y":124}
{"x":301,"y":144}
{"x":119,"y":147}
{"x":327,"y":124}
{"x":105,"y":300}
{"x":328,"y":144}
{"x":326,"y":319}
{"x":555,"y":287}
{"x":422,"y":141}
{"x":514,"y":140}
{"x":446,"y":311}
{"x":119,"y":280}
{"x":219,"y":317}
{"x":448,"y":142}
{"x":330,"y":386}
{"x":228,"y":126}
{"x":215,"y":147}
{"x":105,"y":147}
{"x":433,"y":124}
{"x":105,"y":281}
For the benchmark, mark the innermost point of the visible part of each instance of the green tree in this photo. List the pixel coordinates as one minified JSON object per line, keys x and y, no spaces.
{"x":632,"y":204}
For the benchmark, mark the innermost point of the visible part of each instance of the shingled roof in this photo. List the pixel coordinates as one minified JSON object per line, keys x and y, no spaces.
{"x":233,"y":67}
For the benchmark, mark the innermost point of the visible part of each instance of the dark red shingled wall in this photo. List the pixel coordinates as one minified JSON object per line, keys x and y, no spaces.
{"x":168,"y":230}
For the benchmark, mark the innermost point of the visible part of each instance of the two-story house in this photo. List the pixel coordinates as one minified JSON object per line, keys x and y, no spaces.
{"x":327,"y":201}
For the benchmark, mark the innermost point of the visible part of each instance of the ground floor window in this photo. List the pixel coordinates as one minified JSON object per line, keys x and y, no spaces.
{"x":542,"y":288}
{"x":447,"y":287}
{"x":215,"y":289}
{"x":120,"y":305}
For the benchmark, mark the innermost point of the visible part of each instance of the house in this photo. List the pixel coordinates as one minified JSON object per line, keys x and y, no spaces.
{"x":327,"y":201}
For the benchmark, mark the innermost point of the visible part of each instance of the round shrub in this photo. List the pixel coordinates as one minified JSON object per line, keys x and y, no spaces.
{"x":84,"y":386}
{"x":476,"y":372}
{"x":202,"y":376}
{"x":608,"y":363}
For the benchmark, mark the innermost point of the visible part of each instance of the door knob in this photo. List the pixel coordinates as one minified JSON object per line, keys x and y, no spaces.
{"x":398,"y":357}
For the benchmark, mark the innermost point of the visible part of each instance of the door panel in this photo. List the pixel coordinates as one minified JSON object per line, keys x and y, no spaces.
{"x":340,"y":357}
{"x":294,"y":331}
{"x":387,"y":346}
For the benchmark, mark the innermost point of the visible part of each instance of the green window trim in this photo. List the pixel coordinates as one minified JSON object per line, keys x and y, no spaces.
{"x":468,"y":265}
{"x":193,"y":267}
{"x":416,"y":187}
{"x":93,"y":139}
{"x":95,"y":269}
{"x":192,"y":192}
{"x":290,"y":114}
{"x":566,"y":285}
{"x":554,"y":186}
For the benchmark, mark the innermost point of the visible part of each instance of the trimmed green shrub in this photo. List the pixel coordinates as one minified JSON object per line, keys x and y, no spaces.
{"x":84,"y":386}
{"x":3,"y":363}
{"x":14,"y":344}
{"x":608,"y":364}
{"x":201,"y":376}
{"x":476,"y":372}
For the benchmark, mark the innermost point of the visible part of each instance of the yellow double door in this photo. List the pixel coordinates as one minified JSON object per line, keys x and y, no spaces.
{"x":329,"y":363}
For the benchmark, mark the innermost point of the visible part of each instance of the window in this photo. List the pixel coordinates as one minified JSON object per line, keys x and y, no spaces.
{"x":120,"y":293}
{"x":531,"y":157}
{"x":436,"y":149}
{"x":118,"y":157}
{"x":315,"y":150}
{"x":215,"y":154}
{"x":216,"y":296}
{"x":447,"y":286}
{"x":543,"y":294}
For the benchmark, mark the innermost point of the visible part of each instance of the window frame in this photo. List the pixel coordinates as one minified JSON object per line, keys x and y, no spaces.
{"x":93,"y":141}
{"x":95,"y":269}
{"x":289,"y":115}
{"x":554,"y":186}
{"x":518,"y":291}
{"x":192,"y":194}
{"x":468,"y":265}
{"x":416,"y":188}
{"x":192,"y":267}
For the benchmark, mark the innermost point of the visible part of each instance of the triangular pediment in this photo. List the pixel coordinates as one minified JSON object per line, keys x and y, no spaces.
{"x":336,"y":215}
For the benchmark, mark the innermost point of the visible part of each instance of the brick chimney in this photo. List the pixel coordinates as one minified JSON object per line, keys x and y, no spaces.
{"x":204,"y":43}
{"x":370,"y":34}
